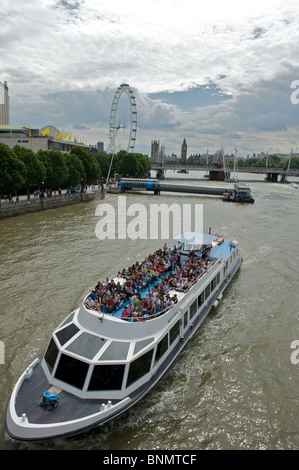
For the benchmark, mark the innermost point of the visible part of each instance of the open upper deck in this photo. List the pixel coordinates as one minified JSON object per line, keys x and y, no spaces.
{"x":152,"y":287}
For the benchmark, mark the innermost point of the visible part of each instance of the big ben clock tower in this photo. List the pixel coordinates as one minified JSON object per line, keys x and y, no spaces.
{"x":184,"y":151}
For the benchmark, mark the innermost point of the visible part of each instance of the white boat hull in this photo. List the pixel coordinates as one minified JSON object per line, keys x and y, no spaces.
{"x":77,"y":413}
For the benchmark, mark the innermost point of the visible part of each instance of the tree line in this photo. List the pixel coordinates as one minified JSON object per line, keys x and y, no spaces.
{"x":273,"y":161}
{"x":22,"y":170}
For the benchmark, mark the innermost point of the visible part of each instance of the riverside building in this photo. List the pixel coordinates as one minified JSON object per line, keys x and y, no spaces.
{"x":4,"y":104}
{"x":39,"y":138}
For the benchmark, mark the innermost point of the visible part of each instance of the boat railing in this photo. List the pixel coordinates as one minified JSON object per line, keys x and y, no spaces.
{"x":158,"y":314}
{"x":148,"y":316}
{"x":145,"y":316}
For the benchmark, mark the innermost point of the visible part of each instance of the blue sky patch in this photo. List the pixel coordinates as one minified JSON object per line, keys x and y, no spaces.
{"x":197,"y":97}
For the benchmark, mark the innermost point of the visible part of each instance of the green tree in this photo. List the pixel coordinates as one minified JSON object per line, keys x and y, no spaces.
{"x":76,"y":170}
{"x":57,"y":171}
{"x":13,"y":171}
{"x":103,"y":160}
{"x":294,"y":162}
{"x":130,"y":165}
{"x":274,"y":160}
{"x":36,"y":171}
{"x":144,"y":163}
{"x":91,"y":166}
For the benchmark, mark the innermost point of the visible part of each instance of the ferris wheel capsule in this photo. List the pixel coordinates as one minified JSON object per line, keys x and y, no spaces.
{"x":113,"y":128}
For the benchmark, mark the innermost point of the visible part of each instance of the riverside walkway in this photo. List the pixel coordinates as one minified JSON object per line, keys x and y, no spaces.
{"x":35,"y":204}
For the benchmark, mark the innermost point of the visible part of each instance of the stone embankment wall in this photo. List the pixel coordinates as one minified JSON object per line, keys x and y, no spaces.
{"x":35,"y":205}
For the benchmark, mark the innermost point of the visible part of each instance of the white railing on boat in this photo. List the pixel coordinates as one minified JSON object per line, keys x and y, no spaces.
{"x":146,"y":317}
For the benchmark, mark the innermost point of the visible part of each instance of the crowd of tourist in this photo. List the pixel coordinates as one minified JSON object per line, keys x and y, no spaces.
{"x":143,"y":289}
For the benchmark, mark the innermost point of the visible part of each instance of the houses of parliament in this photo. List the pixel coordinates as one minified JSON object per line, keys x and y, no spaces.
{"x":158,"y":153}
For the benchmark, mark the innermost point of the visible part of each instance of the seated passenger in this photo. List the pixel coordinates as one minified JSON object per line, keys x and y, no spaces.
{"x":110,"y":304}
{"x":134,"y":287}
{"x":125,"y":313}
{"x":138,"y":317}
{"x":93,"y":294}
{"x":130,"y":308}
{"x":89,"y":302}
{"x":135,"y":301}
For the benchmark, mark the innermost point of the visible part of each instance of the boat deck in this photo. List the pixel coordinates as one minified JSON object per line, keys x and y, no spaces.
{"x":69,"y":407}
{"x":222,"y":249}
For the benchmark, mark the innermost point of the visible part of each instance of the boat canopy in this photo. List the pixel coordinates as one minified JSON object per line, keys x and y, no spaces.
{"x":194,"y":240}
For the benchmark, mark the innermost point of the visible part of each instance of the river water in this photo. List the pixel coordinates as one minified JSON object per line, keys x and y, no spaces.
{"x":235,"y":385}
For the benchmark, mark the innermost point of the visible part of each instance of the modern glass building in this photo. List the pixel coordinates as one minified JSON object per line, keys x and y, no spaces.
{"x":4,"y":104}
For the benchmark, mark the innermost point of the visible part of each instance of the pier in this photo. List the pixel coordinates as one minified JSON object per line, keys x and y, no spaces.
{"x":235,"y":194}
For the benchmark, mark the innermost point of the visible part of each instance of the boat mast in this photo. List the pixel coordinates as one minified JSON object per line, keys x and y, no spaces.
{"x":225,"y":166}
{"x":291,"y":153}
{"x":235,"y":158}
{"x":113,"y":147}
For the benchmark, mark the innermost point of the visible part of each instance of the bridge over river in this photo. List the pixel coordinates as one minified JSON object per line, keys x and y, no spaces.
{"x":222,"y":173}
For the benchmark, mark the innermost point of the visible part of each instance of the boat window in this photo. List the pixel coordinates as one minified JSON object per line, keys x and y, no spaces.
{"x":68,"y":319}
{"x":116,"y":351}
{"x":71,"y":371}
{"x":213,"y":283}
{"x":140,"y":367}
{"x":174,"y":332}
{"x":193,"y":308}
{"x":67,"y":333}
{"x":207,"y":291}
{"x":86,"y":345}
{"x":218,"y":278}
{"x":142,"y":344}
{"x":51,"y":354}
{"x":161,"y":347}
{"x":106,"y":377}
{"x":185,"y":319}
{"x":200,"y":299}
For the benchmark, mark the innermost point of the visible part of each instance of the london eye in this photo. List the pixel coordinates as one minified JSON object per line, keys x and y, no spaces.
{"x":114,"y":126}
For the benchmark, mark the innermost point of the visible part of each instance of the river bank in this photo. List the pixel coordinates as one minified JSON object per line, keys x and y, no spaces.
{"x":25,"y":206}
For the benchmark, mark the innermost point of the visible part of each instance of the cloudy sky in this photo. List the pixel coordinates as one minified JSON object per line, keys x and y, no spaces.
{"x":216,"y":73}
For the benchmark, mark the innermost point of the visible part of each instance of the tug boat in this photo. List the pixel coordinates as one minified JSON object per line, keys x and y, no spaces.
{"x":100,"y":362}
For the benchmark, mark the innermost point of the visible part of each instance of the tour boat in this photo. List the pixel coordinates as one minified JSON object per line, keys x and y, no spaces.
{"x":100,"y":362}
